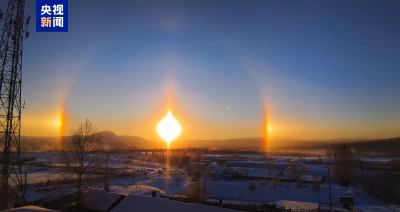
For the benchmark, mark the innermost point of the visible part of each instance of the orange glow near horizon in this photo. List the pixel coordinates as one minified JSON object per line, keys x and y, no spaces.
{"x":61,"y":122}
{"x":169,"y":128}
{"x":267,"y":129}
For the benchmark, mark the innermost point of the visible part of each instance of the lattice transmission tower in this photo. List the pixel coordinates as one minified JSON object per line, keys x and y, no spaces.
{"x":13,"y":34}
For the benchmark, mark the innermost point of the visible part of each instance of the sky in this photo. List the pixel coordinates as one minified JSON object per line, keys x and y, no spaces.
{"x":312,"y":69}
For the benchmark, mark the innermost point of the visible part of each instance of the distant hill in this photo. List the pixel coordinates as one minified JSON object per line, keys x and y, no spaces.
{"x":139,"y":142}
{"x":38,"y":143}
{"x":112,"y":141}
{"x":225,"y":143}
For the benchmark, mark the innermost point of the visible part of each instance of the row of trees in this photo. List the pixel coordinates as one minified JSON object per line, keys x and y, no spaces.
{"x":340,"y":156}
{"x":344,"y":163}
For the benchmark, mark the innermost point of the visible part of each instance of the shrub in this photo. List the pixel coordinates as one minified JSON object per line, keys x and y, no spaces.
{"x":395,"y":165}
{"x":178,"y":180}
{"x":126,"y":162}
{"x":299,"y":183}
{"x":263,"y":183}
{"x":252,"y":186}
{"x":316,"y":184}
{"x":384,"y":186}
{"x":277,"y":182}
{"x":195,"y":192}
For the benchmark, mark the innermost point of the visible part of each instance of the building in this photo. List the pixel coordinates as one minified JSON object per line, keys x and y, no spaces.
{"x":197,"y":166}
{"x":215,"y":172}
{"x":252,"y":173}
{"x":287,"y":177}
{"x":257,"y":164}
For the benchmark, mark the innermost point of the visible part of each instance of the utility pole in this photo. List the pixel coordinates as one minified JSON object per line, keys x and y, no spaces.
{"x":106,"y":186}
{"x":12,"y":36}
{"x":329,"y":182}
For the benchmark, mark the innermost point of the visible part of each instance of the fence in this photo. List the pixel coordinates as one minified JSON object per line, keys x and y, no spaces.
{"x":236,"y":206}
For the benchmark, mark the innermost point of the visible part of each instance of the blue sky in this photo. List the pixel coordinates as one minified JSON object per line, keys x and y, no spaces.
{"x":323,"y":69}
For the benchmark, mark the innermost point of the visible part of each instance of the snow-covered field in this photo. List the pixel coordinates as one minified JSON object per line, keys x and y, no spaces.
{"x":238,"y":190}
{"x":230,"y":190}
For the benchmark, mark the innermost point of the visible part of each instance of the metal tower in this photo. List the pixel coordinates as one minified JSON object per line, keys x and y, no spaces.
{"x":14,"y":31}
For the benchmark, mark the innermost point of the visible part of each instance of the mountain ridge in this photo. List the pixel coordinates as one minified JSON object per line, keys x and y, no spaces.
{"x":113,"y":141}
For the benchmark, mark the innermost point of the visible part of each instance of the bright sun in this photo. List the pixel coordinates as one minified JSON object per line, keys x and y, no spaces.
{"x":169,"y":128}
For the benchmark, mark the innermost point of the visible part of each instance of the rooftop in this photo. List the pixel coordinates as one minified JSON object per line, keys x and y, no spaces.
{"x":153,"y":204}
{"x":254,"y":172}
{"x":30,"y":208}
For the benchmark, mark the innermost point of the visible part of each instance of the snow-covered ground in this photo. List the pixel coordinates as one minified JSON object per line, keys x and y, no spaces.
{"x":298,"y":205}
{"x":238,"y":189}
{"x":370,"y":208}
{"x":149,"y":204}
{"x":174,"y":180}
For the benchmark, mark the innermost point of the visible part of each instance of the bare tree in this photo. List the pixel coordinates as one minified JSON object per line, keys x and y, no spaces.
{"x":178,"y":180}
{"x":296,"y":170}
{"x":316,"y":183}
{"x":82,"y":157}
{"x":252,"y":186}
{"x":343,"y":163}
{"x":195,"y":192}
{"x":205,"y":174}
{"x":222,"y":160}
{"x":320,"y":159}
{"x":198,"y":154}
{"x":197,"y":170}
{"x":269,"y":165}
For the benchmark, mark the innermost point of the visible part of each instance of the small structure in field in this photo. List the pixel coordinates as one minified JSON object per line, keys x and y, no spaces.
{"x":215,"y":172}
{"x":346,"y":201}
{"x":253,"y":174}
{"x":286,"y":177}
{"x":256,"y":164}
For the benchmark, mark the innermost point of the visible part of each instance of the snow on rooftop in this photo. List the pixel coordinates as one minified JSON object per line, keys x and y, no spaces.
{"x":153,"y":204}
{"x":30,"y":208}
{"x":201,"y":163}
{"x":99,"y":200}
{"x":264,"y":173}
{"x":217,"y":169}
{"x":256,"y":164}
{"x":255,"y":172}
{"x":296,"y":204}
{"x":308,"y":178}
{"x":334,"y":208}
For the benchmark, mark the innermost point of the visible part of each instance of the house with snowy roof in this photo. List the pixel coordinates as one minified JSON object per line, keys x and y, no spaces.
{"x":215,"y":172}
{"x":252,"y":173}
